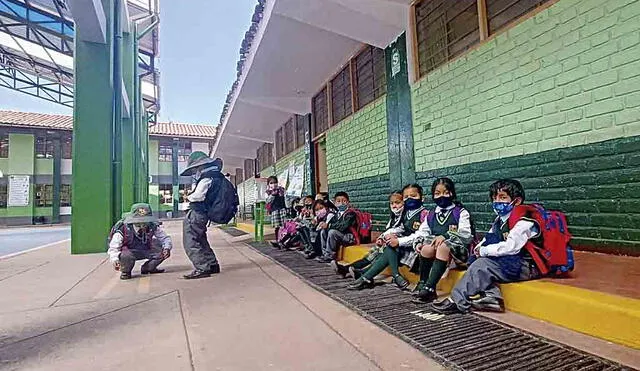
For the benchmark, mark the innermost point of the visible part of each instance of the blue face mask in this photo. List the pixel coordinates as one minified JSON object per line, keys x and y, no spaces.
{"x":342,"y":208}
{"x":412,"y":204}
{"x":443,"y":201}
{"x":503,"y":209}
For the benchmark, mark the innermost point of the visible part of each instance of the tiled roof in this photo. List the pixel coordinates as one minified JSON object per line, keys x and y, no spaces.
{"x":65,"y":122}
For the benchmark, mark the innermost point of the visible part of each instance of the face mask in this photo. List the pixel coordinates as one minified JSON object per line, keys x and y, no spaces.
{"x":321,"y":213}
{"x":503,"y":209}
{"x":412,"y":204}
{"x":397,"y":211}
{"x":342,"y":208}
{"x":443,"y":201}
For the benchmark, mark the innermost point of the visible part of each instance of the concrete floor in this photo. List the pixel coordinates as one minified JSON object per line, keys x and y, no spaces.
{"x":59,"y":311}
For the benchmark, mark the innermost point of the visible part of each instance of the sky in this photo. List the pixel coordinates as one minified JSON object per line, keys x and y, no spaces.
{"x":199,"y":48}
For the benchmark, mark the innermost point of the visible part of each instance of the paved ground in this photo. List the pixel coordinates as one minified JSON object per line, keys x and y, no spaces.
{"x":14,"y":240}
{"x":59,"y":311}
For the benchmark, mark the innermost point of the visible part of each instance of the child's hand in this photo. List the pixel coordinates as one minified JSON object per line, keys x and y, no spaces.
{"x":476,"y":251}
{"x":380,"y":242}
{"x":438,"y":241}
{"x":392,"y":241}
{"x":116,"y":265}
{"x":322,"y":225}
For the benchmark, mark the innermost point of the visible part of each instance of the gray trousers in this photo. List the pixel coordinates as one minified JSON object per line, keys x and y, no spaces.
{"x":482,"y":277}
{"x":332,"y":240}
{"x":194,"y":239}
{"x":128,"y":259}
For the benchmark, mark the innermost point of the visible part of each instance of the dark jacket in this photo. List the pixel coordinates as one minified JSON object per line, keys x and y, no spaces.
{"x":344,"y":222}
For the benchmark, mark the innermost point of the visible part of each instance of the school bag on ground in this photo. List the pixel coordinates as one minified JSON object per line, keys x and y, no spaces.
{"x":223,"y":205}
{"x":554,"y":256}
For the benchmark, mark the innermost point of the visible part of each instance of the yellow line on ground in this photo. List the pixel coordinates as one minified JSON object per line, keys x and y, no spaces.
{"x":108,"y":286}
{"x":144,"y":284}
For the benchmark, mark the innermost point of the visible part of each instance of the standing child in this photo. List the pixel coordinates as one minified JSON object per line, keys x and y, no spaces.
{"x":396,"y":204}
{"x":445,"y":235}
{"x":276,"y":205}
{"x":502,"y":257}
{"x":339,"y":229}
{"x":398,"y":249}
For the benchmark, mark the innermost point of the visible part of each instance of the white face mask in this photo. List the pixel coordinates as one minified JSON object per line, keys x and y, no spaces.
{"x":397,"y":211}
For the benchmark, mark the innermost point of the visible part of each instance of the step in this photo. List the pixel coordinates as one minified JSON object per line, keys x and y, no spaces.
{"x":600,"y":314}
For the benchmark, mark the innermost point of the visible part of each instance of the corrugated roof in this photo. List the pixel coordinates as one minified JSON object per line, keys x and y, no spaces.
{"x":65,"y":122}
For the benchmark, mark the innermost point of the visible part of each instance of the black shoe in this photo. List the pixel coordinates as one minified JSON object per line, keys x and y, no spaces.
{"x":447,"y":306}
{"x":151,"y":271}
{"x":355,"y":273}
{"x":488,"y":304}
{"x":420,"y":286}
{"x":310,"y":256}
{"x":214,"y":269}
{"x":125,"y":276}
{"x":361,"y":284}
{"x":401,"y":282}
{"x":275,"y":244}
{"x":426,"y":295}
{"x":341,"y":270}
{"x":196,"y":274}
{"x":324,"y":259}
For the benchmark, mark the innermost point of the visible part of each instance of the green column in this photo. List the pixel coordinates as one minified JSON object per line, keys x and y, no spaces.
{"x":399,"y":116}
{"x":57,"y":179}
{"x":128,"y":146}
{"x":92,"y":214}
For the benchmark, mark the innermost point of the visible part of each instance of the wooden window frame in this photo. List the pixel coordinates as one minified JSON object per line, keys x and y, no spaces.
{"x":4,"y":145}
{"x":49,"y":151}
{"x":300,"y":129}
{"x":378,"y":81}
{"x":65,"y":189}
{"x":314,"y":111}
{"x":342,"y":108}
{"x":163,"y":153}
{"x":289,"y":135}
{"x":279,"y":143}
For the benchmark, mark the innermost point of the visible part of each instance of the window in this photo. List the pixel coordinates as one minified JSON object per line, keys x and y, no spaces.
{"x":239,"y":176}
{"x":183,"y":191}
{"x":3,"y":196}
{"x":289,"y":136}
{"x":44,"y":147}
{"x":279,"y":144}
{"x":67,"y":147}
{"x":445,"y":29}
{"x":166,"y":194}
{"x":249,"y":168}
{"x":184,"y":151}
{"x":501,"y":12}
{"x":320,"y":111}
{"x":65,"y":195}
{"x":265,"y":156}
{"x":300,"y":130}
{"x":44,"y":195}
{"x":165,"y":152}
{"x":370,"y":76}
{"x":4,"y":146}
{"x":341,"y":104}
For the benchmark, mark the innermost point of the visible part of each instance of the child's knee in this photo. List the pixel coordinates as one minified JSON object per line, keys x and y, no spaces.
{"x":428,"y":251}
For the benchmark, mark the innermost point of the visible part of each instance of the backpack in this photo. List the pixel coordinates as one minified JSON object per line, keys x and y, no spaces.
{"x":126,"y":239}
{"x":222,"y":206}
{"x":116,"y":227}
{"x":362,"y":230}
{"x":555,"y":256}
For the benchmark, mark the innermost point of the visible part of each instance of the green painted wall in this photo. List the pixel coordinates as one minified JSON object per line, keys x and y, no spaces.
{"x":4,"y":165}
{"x":357,"y":147}
{"x":164,"y":168}
{"x":44,"y":166}
{"x":153,"y":157}
{"x":21,"y":154}
{"x":568,"y":76}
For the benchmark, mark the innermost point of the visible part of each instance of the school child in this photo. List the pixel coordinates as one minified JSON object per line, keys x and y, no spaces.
{"x":276,"y":205}
{"x":399,"y":244}
{"x":324,"y":212}
{"x":445,"y":235}
{"x":502,"y":257}
{"x":292,"y":236}
{"x":338,"y":229}
{"x":396,"y":205}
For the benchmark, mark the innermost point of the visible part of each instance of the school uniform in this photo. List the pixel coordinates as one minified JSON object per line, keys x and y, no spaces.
{"x":338,"y":233}
{"x":277,"y":206}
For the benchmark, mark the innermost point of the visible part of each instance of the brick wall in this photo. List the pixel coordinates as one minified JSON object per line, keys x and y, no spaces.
{"x":357,"y":147}
{"x":568,"y":76}
{"x":369,"y":194}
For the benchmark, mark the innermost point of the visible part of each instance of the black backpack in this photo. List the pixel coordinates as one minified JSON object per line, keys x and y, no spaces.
{"x":222,"y":204}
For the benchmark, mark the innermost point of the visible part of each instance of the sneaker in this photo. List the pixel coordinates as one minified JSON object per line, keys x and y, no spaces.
{"x":361,"y":284}
{"x":355,"y":273}
{"x":125,"y":276}
{"x":488,"y":304}
{"x":196,"y":274}
{"x":447,"y":306}
{"x":401,"y":282}
{"x":341,"y":270}
{"x":426,"y":295}
{"x":214,"y":269}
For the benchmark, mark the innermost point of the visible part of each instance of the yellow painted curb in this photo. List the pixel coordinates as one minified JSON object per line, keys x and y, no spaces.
{"x":246,"y":227}
{"x":609,"y":317}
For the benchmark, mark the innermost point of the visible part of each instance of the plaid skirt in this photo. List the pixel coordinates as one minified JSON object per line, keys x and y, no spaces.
{"x":278,"y":217}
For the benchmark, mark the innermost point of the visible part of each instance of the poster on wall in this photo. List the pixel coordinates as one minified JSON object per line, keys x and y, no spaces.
{"x":283,"y":177}
{"x":18,"y":191}
{"x":296,"y":184}
{"x":261,"y":189}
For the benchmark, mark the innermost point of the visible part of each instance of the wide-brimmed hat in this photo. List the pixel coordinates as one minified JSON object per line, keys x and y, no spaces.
{"x":140,"y":213}
{"x":198,"y":159}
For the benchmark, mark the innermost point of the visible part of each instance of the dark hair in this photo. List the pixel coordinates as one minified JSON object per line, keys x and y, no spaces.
{"x":511,"y":186}
{"x":327,"y":204}
{"x":272,"y":178}
{"x":395,"y":193}
{"x":392,"y":216}
{"x":308,"y":197}
{"x":325,"y":195}
{"x":416,"y":186}
{"x":448,"y":184}
{"x":341,"y":194}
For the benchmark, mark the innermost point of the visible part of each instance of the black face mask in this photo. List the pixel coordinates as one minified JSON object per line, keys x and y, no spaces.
{"x":443,"y":201}
{"x":298,"y":208}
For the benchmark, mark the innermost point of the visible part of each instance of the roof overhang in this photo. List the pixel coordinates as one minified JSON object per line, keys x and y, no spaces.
{"x":298,"y":46}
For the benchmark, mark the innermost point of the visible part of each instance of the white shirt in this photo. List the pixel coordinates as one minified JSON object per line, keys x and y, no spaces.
{"x":199,"y":194}
{"x":115,"y":245}
{"x":522,"y":232}
{"x":463,"y":232}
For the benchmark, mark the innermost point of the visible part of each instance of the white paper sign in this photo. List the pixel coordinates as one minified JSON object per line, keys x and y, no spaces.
{"x":283,"y":177}
{"x":18,"y":190}
{"x":296,"y":184}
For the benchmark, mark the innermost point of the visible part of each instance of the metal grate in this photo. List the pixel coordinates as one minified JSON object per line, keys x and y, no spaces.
{"x":461,"y":342}
{"x":235,"y":232}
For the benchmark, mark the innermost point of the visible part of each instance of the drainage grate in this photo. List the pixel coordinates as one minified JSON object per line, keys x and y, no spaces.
{"x":235,"y":232}
{"x":462,"y":342}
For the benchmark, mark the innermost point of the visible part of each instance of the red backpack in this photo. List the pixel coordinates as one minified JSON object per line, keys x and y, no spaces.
{"x":362,"y":231}
{"x":555,"y":256}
